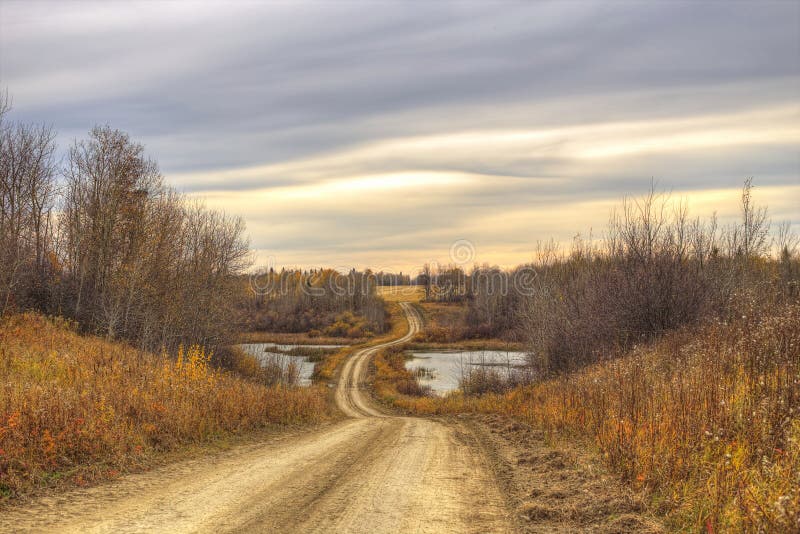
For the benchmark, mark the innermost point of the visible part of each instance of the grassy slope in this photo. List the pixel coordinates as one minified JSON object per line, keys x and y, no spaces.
{"x":705,"y":420}
{"x":79,"y":409}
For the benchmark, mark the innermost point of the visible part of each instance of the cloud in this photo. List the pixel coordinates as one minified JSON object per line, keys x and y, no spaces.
{"x":387,"y":130}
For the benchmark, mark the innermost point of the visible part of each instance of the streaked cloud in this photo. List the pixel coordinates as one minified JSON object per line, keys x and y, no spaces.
{"x":379,"y":133}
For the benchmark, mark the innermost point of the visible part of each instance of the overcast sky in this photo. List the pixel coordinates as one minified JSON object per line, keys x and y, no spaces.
{"x":379,"y":133}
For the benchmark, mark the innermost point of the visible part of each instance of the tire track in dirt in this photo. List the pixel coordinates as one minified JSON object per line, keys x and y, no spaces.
{"x":371,"y":473}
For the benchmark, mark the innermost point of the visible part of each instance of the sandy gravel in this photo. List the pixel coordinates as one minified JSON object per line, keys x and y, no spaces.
{"x":370,"y":473}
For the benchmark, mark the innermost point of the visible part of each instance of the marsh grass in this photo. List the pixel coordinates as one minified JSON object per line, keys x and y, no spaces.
{"x":391,"y":378}
{"x":313,"y":354}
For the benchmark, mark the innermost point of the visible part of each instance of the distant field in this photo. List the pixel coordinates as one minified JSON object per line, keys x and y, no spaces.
{"x":401,"y":293}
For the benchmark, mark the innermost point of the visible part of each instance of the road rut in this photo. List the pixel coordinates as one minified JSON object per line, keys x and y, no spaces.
{"x":371,"y":473}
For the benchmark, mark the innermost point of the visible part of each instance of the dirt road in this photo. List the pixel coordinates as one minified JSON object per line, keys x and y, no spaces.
{"x":371,"y":473}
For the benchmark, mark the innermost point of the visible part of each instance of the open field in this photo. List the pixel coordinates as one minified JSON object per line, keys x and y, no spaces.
{"x":401,"y":293}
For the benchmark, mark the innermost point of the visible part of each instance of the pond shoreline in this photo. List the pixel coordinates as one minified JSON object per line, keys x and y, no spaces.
{"x":443,"y":370}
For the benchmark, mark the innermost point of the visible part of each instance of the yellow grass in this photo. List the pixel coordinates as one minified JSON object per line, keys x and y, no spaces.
{"x":80,"y":408}
{"x":299,"y":338}
{"x":401,"y":293}
{"x":706,"y":421}
{"x":391,"y":380}
{"x":327,"y":368}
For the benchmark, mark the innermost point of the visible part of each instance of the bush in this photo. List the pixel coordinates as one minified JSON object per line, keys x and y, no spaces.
{"x":705,"y":419}
{"x":479,"y":381}
{"x":324,"y":300}
{"x":391,"y":376}
{"x":83,"y":408}
{"x":655,"y":271}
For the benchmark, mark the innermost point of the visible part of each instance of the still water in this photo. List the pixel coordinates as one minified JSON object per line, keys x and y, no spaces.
{"x":262,"y":351}
{"x":444,"y":369}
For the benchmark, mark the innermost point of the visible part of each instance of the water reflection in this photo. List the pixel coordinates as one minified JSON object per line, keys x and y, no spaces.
{"x":442,"y":371}
{"x":264,"y":353}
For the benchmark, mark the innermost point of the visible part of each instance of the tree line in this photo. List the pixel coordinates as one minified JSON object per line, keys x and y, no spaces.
{"x":392,"y":279}
{"x":656,"y":269}
{"x":100,"y":238}
{"x":323,"y":301}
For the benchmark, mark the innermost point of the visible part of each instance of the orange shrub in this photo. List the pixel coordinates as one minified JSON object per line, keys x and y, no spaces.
{"x":80,"y":407}
{"x":706,"y":421}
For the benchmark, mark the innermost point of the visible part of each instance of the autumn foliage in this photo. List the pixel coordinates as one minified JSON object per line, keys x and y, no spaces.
{"x":82,"y":408}
{"x":703,"y":420}
{"x":322,"y":302}
{"x":673,"y":347}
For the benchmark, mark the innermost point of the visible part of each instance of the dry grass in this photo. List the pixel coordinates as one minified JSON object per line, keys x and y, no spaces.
{"x":446,"y":327}
{"x":391,"y":378}
{"x":470,"y":345}
{"x":79,"y":409}
{"x":560,"y":488}
{"x":302,"y":338}
{"x":327,"y":368}
{"x":705,"y":421}
{"x":444,"y":322}
{"x":401,"y":293}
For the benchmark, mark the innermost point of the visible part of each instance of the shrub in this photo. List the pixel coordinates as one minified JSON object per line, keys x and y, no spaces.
{"x":705,"y":419}
{"x":81,"y":407}
{"x":391,"y":376}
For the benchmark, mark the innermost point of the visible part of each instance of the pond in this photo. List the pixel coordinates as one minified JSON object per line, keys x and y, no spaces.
{"x":442,"y":370}
{"x":272,"y":353}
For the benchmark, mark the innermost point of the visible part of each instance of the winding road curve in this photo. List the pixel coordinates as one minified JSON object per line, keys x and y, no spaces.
{"x":370,"y":473}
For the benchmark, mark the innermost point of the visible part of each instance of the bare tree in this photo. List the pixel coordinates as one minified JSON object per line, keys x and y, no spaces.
{"x":27,"y":196}
{"x":754,"y":234}
{"x":141,"y":262}
{"x":786,"y":242}
{"x":108,"y":184}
